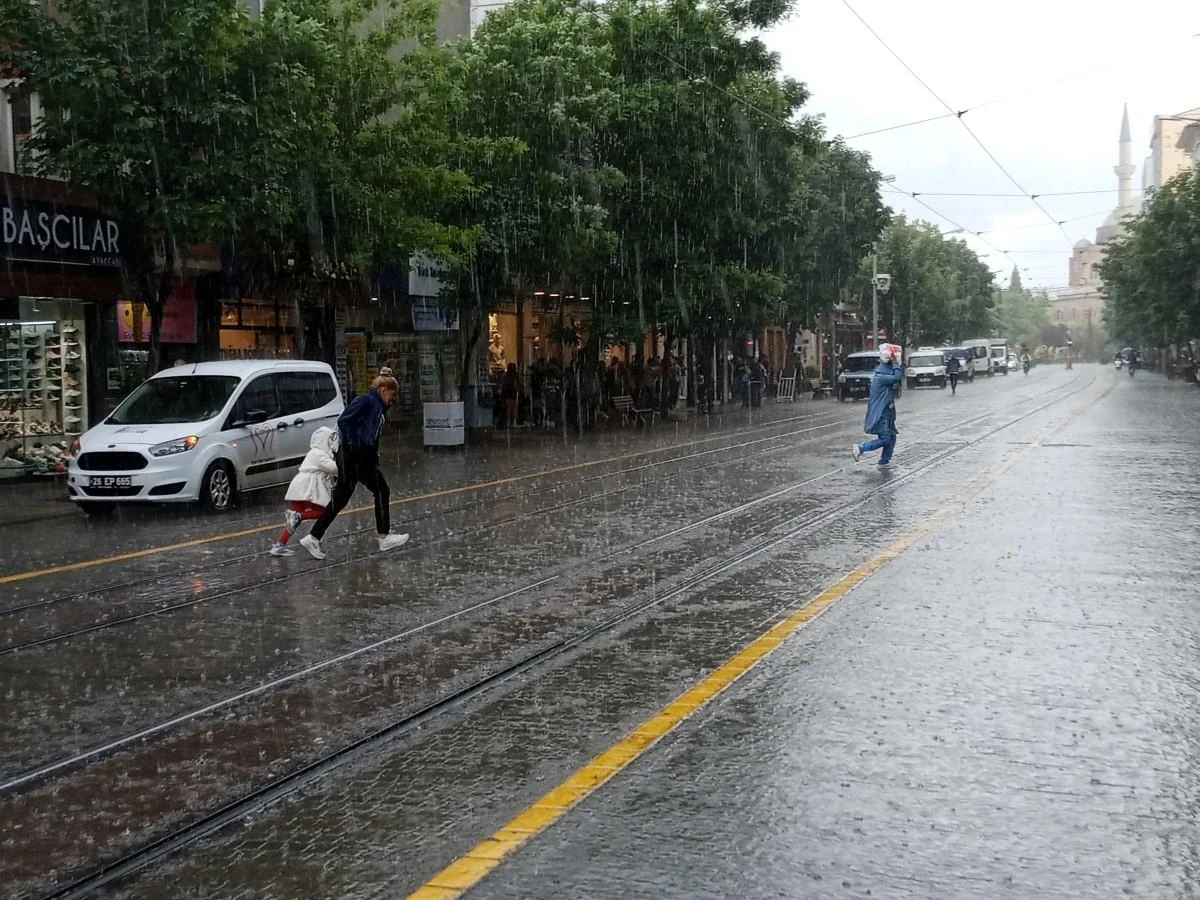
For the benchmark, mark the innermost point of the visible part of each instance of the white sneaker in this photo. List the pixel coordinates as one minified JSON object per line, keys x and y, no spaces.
{"x":313,"y":546}
{"x":392,"y":541}
{"x":292,"y":518}
{"x":856,"y":451}
{"x":278,"y":549}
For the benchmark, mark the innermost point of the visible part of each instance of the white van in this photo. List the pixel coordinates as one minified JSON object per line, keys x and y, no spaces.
{"x":926,"y":366}
{"x":999,"y":354}
{"x":204,"y":432}
{"x":981,"y":351}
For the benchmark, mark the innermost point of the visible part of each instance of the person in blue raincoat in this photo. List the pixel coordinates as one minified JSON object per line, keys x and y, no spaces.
{"x":881,"y":407}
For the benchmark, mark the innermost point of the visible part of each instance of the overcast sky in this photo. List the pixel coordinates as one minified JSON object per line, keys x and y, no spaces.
{"x":1054,"y":129}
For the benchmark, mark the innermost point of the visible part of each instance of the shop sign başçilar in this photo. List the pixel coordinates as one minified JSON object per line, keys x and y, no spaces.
{"x":37,"y":233}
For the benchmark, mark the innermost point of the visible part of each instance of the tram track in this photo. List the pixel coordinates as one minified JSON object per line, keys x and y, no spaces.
{"x":14,"y":781}
{"x":493,"y":525}
{"x":128,"y":863}
{"x":161,"y":609}
{"x":587,"y":563}
{"x":192,"y":570}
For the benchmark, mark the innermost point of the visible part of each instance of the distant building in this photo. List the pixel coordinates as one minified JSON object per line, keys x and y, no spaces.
{"x":1081,"y":302}
{"x":1174,"y":148}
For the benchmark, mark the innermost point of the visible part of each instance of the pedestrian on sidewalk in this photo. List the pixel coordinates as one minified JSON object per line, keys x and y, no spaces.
{"x":312,"y":488}
{"x":359,"y":427}
{"x":881,"y":407}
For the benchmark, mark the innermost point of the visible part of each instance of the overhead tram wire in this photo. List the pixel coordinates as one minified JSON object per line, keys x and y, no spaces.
{"x":958,"y":114}
{"x":784,"y":124}
{"x":1043,"y":194}
{"x":960,"y":227}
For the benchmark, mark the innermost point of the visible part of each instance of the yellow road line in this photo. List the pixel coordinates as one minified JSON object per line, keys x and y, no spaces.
{"x":415,"y":498}
{"x":470,"y":868}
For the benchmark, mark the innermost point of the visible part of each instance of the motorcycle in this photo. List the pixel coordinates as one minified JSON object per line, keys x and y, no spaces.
{"x":1025,"y":367}
{"x":1131,"y":367}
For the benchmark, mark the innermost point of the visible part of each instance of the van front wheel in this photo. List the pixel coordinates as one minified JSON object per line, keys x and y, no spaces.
{"x":218,"y":488}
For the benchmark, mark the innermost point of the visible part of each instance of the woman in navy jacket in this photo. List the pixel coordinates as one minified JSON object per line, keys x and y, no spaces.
{"x":359,"y":427}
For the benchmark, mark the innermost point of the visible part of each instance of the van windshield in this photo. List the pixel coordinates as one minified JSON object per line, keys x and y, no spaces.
{"x":860,"y":364}
{"x":999,"y":352}
{"x":925,"y":360}
{"x":176,"y":400}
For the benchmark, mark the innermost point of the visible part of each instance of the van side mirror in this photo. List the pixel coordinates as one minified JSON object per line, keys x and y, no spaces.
{"x":252,"y":417}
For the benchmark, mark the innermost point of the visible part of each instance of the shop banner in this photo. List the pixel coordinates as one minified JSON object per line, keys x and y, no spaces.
{"x":179,"y":318}
{"x":356,"y":362}
{"x":35,"y":232}
{"x":429,"y":316}
{"x":425,"y":275}
{"x":444,"y":425}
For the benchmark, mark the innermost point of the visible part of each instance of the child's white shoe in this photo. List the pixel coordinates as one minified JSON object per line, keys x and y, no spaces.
{"x":278,"y":549}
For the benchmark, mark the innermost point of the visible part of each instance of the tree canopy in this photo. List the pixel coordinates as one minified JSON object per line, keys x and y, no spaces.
{"x":1152,"y":272}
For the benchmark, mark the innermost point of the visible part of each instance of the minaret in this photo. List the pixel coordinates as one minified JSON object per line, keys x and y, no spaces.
{"x":1124,"y":170}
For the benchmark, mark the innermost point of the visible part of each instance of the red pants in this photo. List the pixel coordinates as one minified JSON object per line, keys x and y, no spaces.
{"x":308,"y":512}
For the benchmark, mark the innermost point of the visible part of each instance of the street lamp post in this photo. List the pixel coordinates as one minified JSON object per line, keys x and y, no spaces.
{"x":880,"y":281}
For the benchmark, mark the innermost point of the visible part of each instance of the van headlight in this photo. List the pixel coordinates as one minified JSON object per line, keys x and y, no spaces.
{"x":179,"y":445}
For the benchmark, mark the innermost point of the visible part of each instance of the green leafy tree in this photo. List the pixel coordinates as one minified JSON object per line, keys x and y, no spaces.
{"x":142,"y":104}
{"x":1151,"y":273}
{"x":833,"y":218}
{"x":539,"y":95}
{"x":940,"y":291}
{"x":301,"y":135}
{"x":1021,"y":315}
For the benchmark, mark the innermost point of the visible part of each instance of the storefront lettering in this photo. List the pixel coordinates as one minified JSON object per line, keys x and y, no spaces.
{"x":44,"y":233}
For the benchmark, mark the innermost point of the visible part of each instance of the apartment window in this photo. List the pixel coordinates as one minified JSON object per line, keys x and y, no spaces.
{"x":21,"y":109}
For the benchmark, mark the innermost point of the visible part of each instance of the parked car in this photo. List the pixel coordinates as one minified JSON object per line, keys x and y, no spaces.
{"x":855,"y":378}
{"x":1012,"y":362}
{"x":204,"y":432}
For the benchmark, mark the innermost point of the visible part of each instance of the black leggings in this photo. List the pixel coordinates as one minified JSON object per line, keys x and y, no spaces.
{"x":356,"y":468}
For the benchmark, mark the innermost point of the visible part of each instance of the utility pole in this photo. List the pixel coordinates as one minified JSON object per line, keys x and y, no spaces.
{"x":874,"y":301}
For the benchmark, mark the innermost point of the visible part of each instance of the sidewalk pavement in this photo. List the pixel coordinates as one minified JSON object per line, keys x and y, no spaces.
{"x":25,"y":500}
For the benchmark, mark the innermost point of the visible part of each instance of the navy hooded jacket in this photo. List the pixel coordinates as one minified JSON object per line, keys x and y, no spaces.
{"x":362,"y":421}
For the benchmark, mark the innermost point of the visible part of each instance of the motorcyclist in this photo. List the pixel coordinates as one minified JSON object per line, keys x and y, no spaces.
{"x":1025,"y":362}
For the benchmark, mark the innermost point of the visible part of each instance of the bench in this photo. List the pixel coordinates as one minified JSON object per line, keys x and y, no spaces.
{"x":641,"y":415}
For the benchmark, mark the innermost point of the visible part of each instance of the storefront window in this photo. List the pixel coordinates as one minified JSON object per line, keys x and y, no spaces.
{"x":260,"y":329}
{"x":43,"y":387}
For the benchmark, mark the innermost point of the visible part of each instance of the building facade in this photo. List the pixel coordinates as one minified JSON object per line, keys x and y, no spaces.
{"x":1079,"y":307}
{"x":1174,"y":148}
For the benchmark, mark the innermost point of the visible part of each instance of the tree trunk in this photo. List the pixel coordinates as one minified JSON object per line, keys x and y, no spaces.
{"x":162,"y":283}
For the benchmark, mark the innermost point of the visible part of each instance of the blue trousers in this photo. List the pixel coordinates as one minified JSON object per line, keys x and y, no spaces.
{"x":886,"y":442}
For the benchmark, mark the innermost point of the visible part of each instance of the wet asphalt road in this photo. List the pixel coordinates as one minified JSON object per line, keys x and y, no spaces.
{"x":1005,"y":708}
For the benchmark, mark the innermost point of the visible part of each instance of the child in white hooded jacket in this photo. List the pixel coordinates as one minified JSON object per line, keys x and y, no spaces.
{"x":312,"y":488}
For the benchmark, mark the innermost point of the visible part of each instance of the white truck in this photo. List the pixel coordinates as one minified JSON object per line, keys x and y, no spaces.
{"x":981,"y":351}
{"x":999,"y":354}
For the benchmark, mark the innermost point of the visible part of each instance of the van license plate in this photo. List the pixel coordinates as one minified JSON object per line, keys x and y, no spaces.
{"x":110,"y":481}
